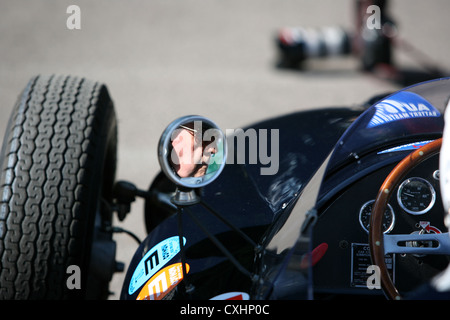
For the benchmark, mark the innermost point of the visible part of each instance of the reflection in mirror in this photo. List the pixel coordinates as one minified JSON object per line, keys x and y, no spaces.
{"x":192,"y":151}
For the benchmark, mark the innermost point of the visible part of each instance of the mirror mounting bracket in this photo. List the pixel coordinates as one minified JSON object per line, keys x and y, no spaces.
{"x":185,"y":197}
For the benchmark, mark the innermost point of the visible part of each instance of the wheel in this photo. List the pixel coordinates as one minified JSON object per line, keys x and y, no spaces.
{"x":57,"y":163}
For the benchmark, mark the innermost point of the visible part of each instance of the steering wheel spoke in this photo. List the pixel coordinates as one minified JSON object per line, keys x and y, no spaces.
{"x":431,"y":243}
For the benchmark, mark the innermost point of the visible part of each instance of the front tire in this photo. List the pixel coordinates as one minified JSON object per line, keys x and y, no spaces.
{"x":57,"y":167}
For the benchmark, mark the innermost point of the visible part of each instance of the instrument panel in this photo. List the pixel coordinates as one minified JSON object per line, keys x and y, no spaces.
{"x":415,"y":196}
{"x":415,"y":207}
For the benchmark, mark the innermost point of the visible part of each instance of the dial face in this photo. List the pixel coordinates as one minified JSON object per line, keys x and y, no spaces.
{"x":416,"y":196}
{"x":366,"y":211}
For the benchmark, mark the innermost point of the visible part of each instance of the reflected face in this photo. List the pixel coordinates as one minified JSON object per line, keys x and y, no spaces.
{"x":190,"y":155}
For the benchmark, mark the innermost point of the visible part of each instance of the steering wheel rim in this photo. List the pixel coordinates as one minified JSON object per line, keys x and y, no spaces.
{"x":376,"y":240}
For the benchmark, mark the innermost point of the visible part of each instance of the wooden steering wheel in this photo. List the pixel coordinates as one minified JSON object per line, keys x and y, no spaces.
{"x":377,"y":239}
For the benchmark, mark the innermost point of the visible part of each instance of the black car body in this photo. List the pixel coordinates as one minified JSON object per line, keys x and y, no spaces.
{"x":303,"y":234}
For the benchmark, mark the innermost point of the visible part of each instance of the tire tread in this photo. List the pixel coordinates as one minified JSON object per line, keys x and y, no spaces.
{"x":47,"y":161}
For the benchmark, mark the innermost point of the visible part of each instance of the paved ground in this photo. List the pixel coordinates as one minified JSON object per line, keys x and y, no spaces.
{"x":163,"y":59}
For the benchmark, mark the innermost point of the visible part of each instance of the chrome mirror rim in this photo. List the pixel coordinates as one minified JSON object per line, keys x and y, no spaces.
{"x":163,"y":151}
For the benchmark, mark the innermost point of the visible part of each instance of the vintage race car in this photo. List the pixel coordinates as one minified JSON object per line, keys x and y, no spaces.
{"x":319,"y":204}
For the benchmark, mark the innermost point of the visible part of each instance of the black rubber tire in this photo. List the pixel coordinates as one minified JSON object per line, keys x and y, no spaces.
{"x":58,"y":160}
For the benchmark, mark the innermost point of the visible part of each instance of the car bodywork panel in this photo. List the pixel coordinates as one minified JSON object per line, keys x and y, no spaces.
{"x":250,"y":200}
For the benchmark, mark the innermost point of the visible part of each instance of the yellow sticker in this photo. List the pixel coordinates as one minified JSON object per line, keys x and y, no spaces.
{"x":158,"y":286}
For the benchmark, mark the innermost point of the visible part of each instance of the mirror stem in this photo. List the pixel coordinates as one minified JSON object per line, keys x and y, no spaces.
{"x":185,"y":197}
{"x":189,"y":288}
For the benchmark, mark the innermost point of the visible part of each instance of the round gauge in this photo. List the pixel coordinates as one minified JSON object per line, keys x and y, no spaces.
{"x":416,"y":195}
{"x":366,"y":211}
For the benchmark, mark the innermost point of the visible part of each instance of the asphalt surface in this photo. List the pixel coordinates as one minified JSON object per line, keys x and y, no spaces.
{"x":163,"y":59}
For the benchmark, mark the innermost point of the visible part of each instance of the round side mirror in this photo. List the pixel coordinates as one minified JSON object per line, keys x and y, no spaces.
{"x":192,"y":151}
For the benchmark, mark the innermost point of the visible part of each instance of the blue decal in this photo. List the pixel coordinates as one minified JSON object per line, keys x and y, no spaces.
{"x":403,"y":105}
{"x":153,"y":261}
{"x":405,"y":147}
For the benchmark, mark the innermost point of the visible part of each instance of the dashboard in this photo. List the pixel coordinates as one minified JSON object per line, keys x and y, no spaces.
{"x":343,"y":222}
